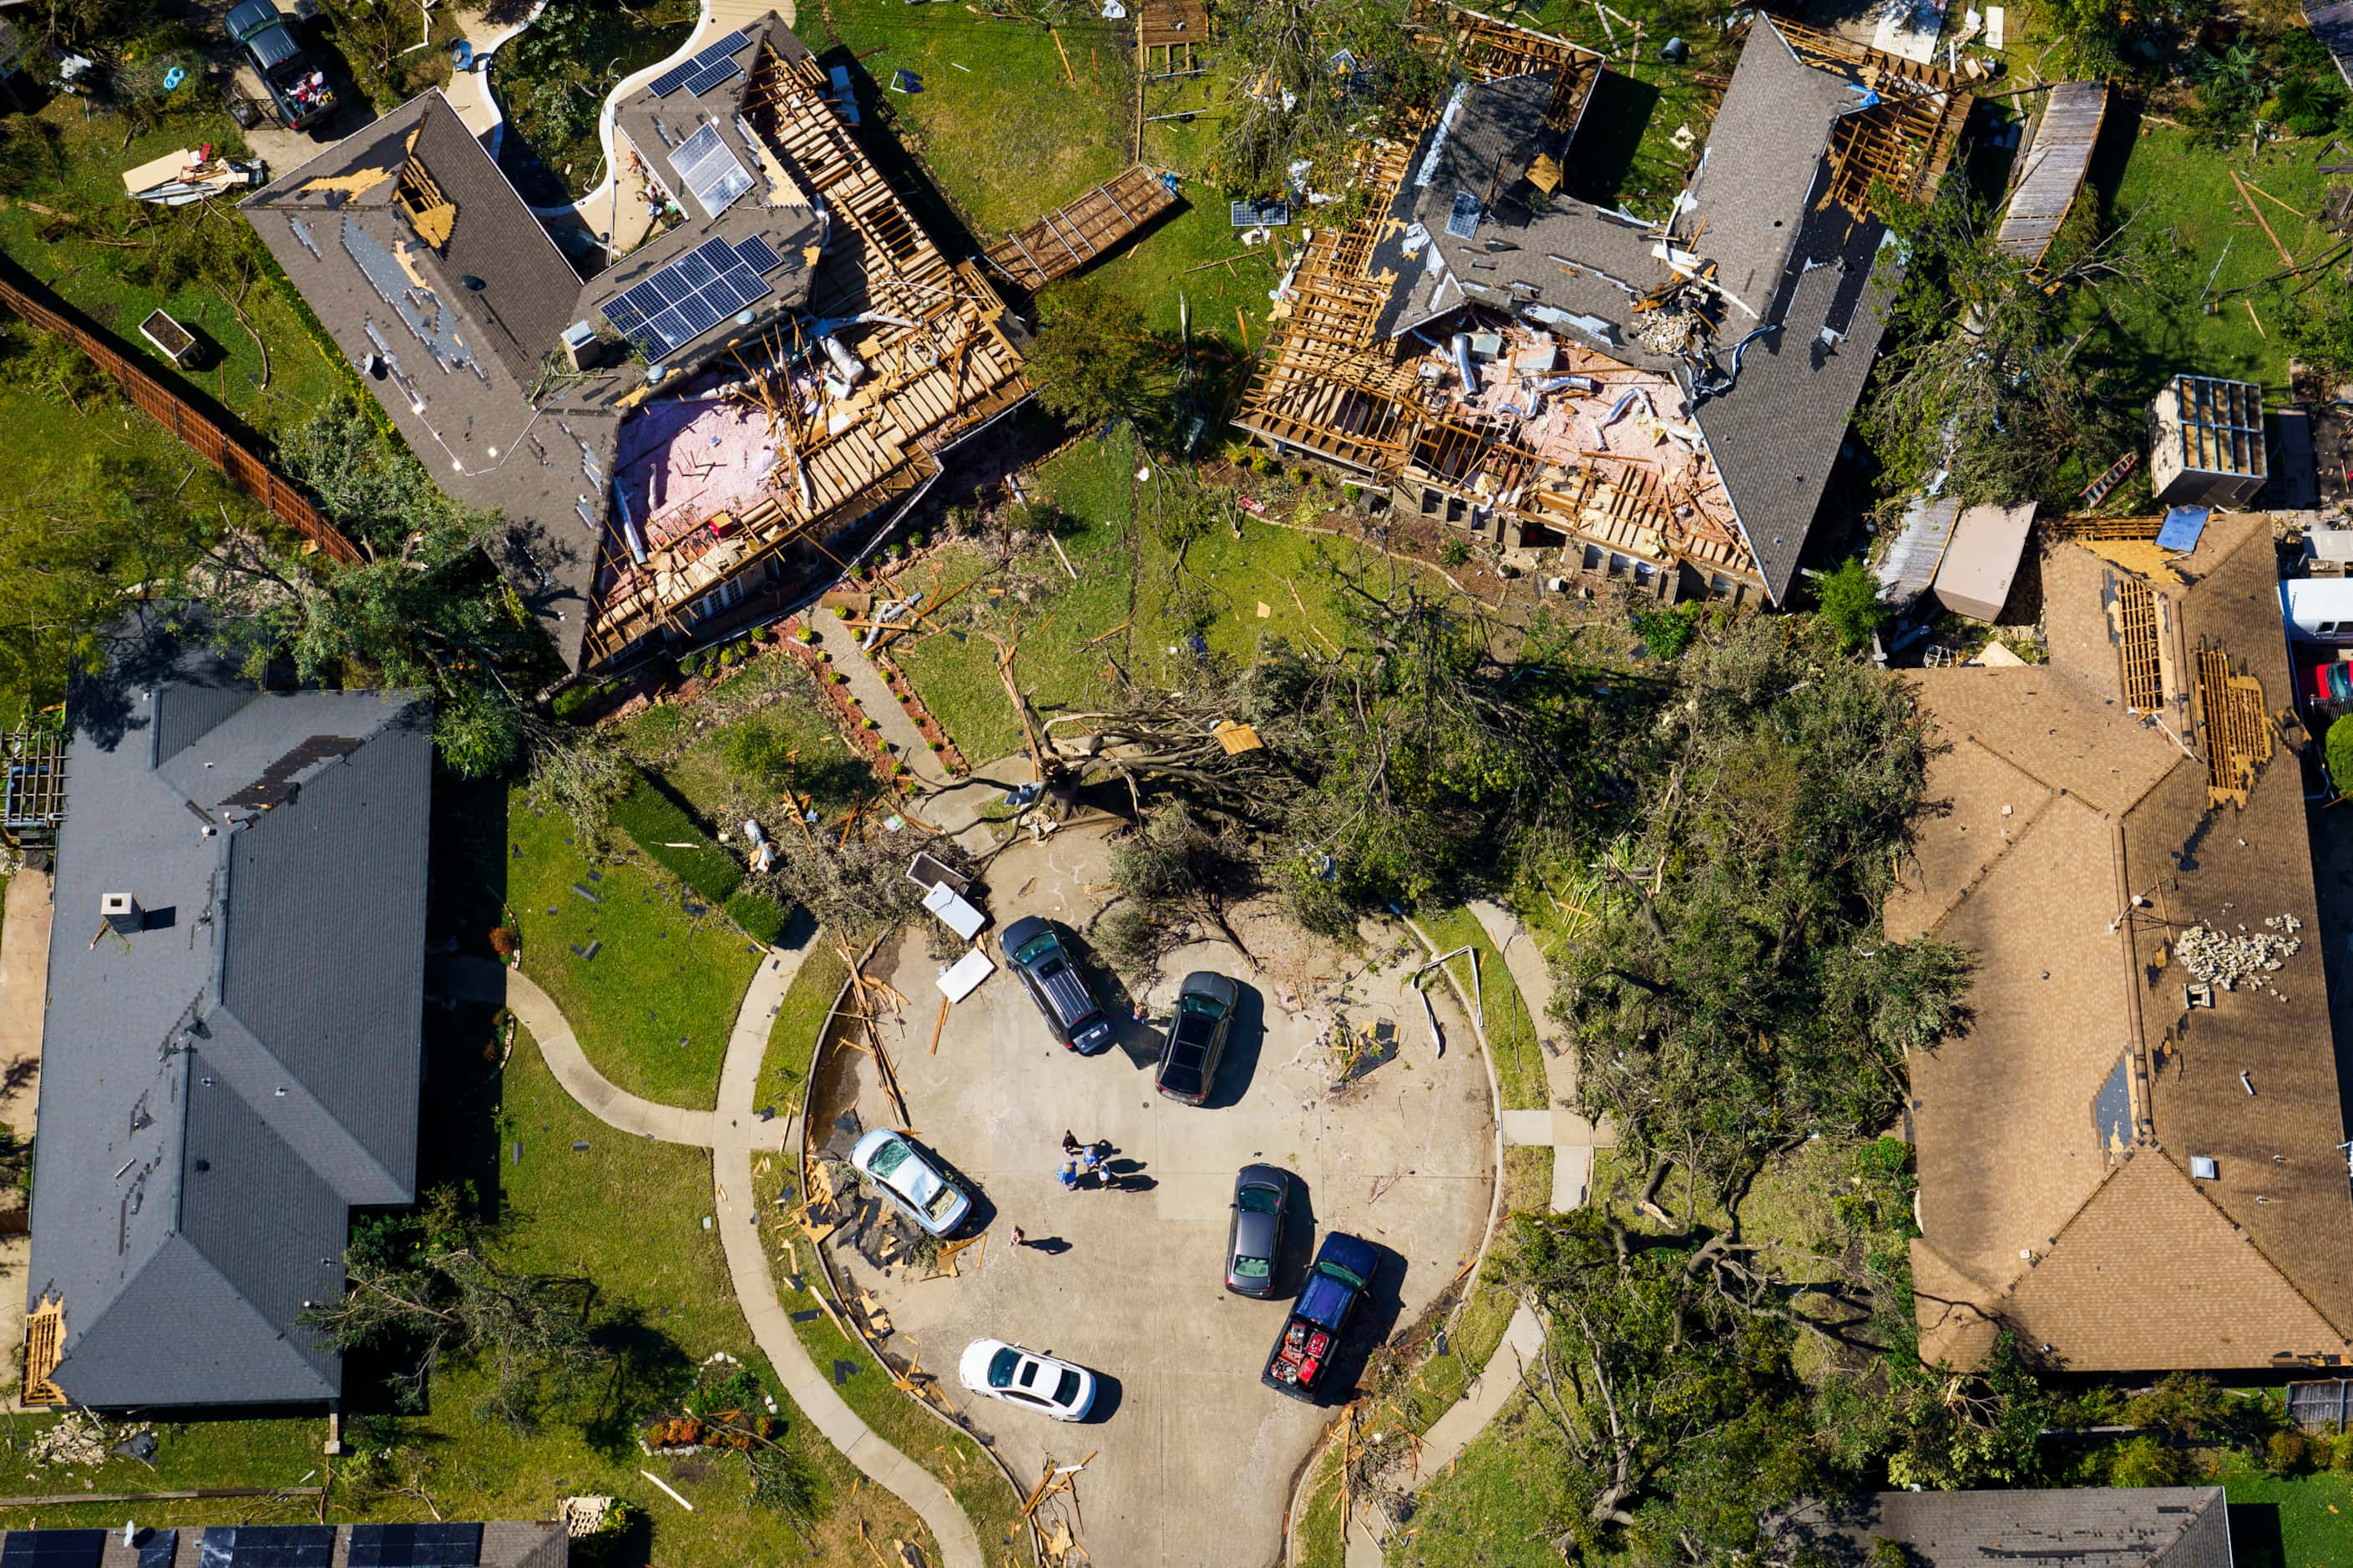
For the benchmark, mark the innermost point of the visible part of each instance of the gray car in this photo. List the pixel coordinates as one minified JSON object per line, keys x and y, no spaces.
{"x":1036,"y":953}
{"x":1254,"y":1240}
{"x":1198,"y":1026}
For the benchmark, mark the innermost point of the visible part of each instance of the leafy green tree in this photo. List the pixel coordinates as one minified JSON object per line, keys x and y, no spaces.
{"x":2146,"y":1462}
{"x":1849,"y":602}
{"x":2338,"y":750}
{"x":426,"y":1286}
{"x":1094,"y":360}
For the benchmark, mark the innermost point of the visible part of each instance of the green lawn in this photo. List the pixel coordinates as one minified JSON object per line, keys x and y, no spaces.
{"x":792,"y":1040}
{"x":86,"y":181}
{"x":624,"y":1213}
{"x":688,"y":745}
{"x":1627,"y":154}
{"x":2172,"y":185}
{"x":1498,"y":1498}
{"x":998,"y":123}
{"x":2313,"y":1515}
{"x":654,"y":1006}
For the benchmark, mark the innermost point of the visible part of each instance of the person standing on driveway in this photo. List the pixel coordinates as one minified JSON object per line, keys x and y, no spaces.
{"x":1070,"y":1175}
{"x":1070,"y":1144}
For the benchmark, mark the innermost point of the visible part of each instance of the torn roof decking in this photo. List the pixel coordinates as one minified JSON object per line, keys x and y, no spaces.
{"x":2052,"y":170}
{"x":941,"y":368}
{"x":1072,"y":237}
{"x":1463,"y":218}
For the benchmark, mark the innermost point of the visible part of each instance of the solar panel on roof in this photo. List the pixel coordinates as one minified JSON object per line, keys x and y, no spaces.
{"x":746,"y":283}
{"x":695,"y":270}
{"x":415,"y":1546}
{"x":758,"y":255}
{"x":1462,"y":222}
{"x":724,"y":47}
{"x":699,"y":314}
{"x":269,"y":1546}
{"x":53,"y":1548}
{"x":710,"y":170}
{"x":717,"y":252}
{"x":668,"y":328}
{"x":723,"y":296}
{"x":670,"y":286}
{"x":713,"y":76}
{"x":625,"y":318}
{"x":645,"y":299}
{"x":158,"y":1547}
{"x":670,"y":80}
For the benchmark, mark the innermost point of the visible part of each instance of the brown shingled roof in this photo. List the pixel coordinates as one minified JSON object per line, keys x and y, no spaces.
{"x":2055,"y":1137}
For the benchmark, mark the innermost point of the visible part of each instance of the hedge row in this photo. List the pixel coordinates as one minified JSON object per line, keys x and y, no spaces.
{"x":660,"y":827}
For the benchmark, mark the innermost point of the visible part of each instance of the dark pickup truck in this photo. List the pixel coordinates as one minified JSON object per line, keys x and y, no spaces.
{"x":1342,"y":1277}
{"x":1197,"y":1036}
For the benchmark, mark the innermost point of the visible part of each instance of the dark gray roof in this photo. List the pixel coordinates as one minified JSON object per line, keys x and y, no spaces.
{"x":2082,"y":1527}
{"x":1802,"y":269}
{"x":500,"y":1543}
{"x":220,"y":1087}
{"x":490,"y":305}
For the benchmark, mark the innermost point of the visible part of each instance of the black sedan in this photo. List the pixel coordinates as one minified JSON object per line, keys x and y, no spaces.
{"x":1254,"y":1241}
{"x":1198,"y":1026}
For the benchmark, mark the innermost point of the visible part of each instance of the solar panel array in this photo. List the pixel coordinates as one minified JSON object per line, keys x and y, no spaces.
{"x":710,"y":170}
{"x":415,"y":1546}
{"x":158,"y":1548}
{"x":692,"y":294}
{"x":1463,"y":221}
{"x":53,"y":1548}
{"x":689,"y":73}
{"x":269,"y":1546}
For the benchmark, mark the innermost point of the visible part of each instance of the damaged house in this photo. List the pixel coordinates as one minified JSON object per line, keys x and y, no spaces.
{"x":1660,"y":404}
{"x":789,"y":359}
{"x":2133,"y":1157}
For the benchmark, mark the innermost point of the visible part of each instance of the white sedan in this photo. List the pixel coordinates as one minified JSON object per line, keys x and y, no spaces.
{"x":1024,"y":1378}
{"x":910,"y":1181}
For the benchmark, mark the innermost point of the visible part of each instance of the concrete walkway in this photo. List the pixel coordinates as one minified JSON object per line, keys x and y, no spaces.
{"x":731,"y":1133}
{"x":739,"y":1130}
{"x":874,"y":694}
{"x":486,"y":979}
{"x":1573,"y":1139}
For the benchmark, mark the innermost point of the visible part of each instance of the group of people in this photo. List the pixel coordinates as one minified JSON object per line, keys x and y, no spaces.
{"x":1084,"y":1160}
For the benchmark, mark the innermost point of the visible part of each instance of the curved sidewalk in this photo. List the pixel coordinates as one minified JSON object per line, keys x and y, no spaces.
{"x":486,"y":979}
{"x":731,"y":1133}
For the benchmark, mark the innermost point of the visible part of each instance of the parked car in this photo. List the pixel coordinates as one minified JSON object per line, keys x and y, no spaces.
{"x":911,"y":1180}
{"x":1035,"y":950}
{"x":298,"y":85}
{"x":1254,"y":1239}
{"x":1198,"y":1026}
{"x":1026,"y":1379}
{"x":1340,"y":1280}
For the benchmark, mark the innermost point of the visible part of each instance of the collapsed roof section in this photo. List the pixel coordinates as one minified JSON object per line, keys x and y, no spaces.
{"x":1749,"y":319}
{"x":796,"y":271}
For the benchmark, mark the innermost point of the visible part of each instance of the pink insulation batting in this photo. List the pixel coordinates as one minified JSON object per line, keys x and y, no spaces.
{"x":683,"y":462}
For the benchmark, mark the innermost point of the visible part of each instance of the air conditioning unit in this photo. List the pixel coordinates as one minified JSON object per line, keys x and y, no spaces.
{"x":583,"y":348}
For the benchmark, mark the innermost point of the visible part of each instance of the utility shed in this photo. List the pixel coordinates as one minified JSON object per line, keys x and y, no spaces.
{"x":2206,"y":443}
{"x":233,"y":1044}
{"x":1982,"y":560}
{"x":2050,"y":169}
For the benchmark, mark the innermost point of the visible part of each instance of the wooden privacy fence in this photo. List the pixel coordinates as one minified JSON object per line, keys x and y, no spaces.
{"x":198,"y":434}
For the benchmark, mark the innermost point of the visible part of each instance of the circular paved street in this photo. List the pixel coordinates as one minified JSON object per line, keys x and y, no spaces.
{"x":1197,"y":1459}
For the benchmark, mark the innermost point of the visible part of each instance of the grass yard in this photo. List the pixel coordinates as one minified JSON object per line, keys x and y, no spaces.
{"x":1626,"y":149}
{"x":1497,"y":1497}
{"x":624,"y":1213}
{"x":2173,"y":184}
{"x":2290,"y":1521}
{"x":689,"y":745}
{"x":792,"y":1040}
{"x":85,"y":180}
{"x":654,"y":1006}
{"x":1135,"y":601}
{"x":1006,"y":133}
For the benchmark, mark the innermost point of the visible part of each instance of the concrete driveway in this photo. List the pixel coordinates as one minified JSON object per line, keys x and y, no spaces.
{"x":1197,"y":1459}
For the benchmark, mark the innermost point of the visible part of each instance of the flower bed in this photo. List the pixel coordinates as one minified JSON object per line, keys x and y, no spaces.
{"x":853,"y":717}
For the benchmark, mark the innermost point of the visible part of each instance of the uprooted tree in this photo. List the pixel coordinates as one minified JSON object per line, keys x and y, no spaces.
{"x":425,"y":1287}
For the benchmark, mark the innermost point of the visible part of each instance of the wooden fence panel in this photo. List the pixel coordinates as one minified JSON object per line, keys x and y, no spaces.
{"x":198,"y":434}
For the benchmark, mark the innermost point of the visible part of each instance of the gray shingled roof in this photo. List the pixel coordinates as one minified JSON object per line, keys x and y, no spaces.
{"x":1802,"y":270}
{"x":500,"y":1543}
{"x":2078,"y":1527}
{"x":222,"y":1085}
{"x":464,"y":404}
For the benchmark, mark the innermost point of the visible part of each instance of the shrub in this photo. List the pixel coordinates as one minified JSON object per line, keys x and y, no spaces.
{"x":808,"y":636}
{"x":871,"y":724}
{"x":572,"y":699}
{"x":2339,"y":748}
{"x":1266,"y":465}
{"x":2145,"y":1462}
{"x":731,"y":656}
{"x":841,"y":612}
{"x":758,"y":916}
{"x":1849,"y":602}
{"x":1666,"y":633}
{"x":939,"y":745}
{"x":505,"y":941}
{"x":2284,"y":1452}
{"x":1453,"y":552}
{"x":2340,"y":1453}
{"x":1352,"y":491}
